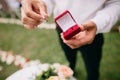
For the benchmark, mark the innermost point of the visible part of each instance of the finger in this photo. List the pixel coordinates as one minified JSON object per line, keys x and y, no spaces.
{"x":31,"y":13}
{"x":71,"y":46}
{"x":66,"y":41}
{"x":35,"y":6}
{"x":43,"y":10}
{"x":88,"y":39}
{"x":84,"y":27}
{"x":88,"y":25}
{"x":28,"y":21}
{"x":75,"y":43}
{"x":34,"y":15}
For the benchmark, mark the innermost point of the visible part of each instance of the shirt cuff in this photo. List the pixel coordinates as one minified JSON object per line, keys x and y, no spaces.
{"x":101,"y":22}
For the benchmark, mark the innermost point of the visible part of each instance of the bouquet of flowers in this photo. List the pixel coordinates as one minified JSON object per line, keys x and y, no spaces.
{"x":45,"y":71}
{"x":54,"y":72}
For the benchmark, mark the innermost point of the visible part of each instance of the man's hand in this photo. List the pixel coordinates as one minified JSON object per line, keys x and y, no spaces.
{"x":86,"y":36}
{"x":33,"y":12}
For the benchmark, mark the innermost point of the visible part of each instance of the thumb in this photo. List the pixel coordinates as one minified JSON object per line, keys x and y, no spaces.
{"x":87,"y":26}
{"x":82,"y":27}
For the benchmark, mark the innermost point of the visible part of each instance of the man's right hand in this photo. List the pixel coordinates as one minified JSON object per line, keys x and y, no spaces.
{"x":33,"y":12}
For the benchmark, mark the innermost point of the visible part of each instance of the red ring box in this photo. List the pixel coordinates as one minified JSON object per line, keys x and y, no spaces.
{"x":68,"y":25}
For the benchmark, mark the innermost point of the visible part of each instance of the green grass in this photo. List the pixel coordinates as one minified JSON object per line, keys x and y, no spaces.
{"x":43,"y":44}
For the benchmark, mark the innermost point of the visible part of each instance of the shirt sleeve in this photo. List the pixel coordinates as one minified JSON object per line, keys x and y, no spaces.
{"x":50,"y":6}
{"x":108,"y":16}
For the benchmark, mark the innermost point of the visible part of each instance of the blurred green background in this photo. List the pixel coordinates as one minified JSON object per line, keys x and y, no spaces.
{"x":43,"y":44}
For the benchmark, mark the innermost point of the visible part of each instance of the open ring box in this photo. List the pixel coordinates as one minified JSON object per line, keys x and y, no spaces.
{"x":68,"y":25}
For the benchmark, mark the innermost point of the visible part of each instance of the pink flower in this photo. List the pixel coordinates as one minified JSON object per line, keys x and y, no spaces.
{"x":65,"y":72}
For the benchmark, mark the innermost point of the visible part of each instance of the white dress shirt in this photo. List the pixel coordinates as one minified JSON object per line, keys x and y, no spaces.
{"x":104,"y":13}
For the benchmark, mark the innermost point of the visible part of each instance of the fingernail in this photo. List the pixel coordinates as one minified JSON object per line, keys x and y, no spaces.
{"x":43,"y":17}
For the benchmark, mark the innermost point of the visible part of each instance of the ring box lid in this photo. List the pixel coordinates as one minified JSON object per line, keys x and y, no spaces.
{"x":65,"y":21}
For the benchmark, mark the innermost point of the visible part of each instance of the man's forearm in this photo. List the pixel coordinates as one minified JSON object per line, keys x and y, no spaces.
{"x":108,"y":16}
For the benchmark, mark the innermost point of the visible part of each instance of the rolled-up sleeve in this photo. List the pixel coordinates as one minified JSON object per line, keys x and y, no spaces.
{"x":108,"y":16}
